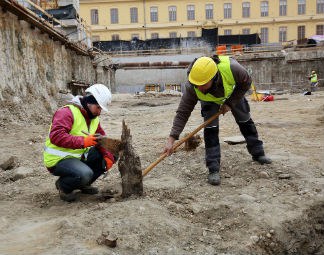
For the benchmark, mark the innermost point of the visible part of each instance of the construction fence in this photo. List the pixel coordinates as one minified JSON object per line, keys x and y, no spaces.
{"x":162,"y":87}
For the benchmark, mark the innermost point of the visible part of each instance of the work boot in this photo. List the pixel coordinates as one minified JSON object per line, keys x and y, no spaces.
{"x":89,"y":190}
{"x":214,"y":178}
{"x":262,"y":159}
{"x":68,"y":197}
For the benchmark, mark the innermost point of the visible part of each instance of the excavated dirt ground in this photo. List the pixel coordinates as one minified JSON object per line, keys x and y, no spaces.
{"x":269,"y":209}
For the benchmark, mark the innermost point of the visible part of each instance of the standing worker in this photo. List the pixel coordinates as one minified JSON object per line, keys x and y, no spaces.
{"x":75,"y":157}
{"x":219,"y":83}
{"x":313,"y":79}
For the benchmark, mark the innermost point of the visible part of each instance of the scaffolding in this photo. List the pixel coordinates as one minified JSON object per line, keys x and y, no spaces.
{"x":57,"y":29}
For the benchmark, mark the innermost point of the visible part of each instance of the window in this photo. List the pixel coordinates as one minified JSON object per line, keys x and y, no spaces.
{"x":227,"y":31}
{"x":246,"y":9}
{"x":95,"y":38}
{"x":94,"y":17}
{"x":173,"y":34}
{"x":301,"y":7}
{"x":320,"y":29}
{"x":264,"y":8}
{"x":190,"y":12}
{"x":300,"y":32}
{"x":319,"y":6}
{"x":227,"y":10}
{"x":134,"y":15}
{"x":191,"y":34}
{"x":264,"y":35}
{"x":245,"y":31}
{"x":114,"y":16}
{"x":154,"y":36}
{"x":283,"y":8}
{"x":115,"y":37}
{"x":154,"y":14}
{"x":209,"y":11}
{"x":135,"y":36}
{"x":172,"y":13}
{"x":282,"y":34}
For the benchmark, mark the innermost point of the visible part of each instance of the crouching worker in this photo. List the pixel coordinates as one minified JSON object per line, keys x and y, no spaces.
{"x":219,"y":83}
{"x":75,"y":157}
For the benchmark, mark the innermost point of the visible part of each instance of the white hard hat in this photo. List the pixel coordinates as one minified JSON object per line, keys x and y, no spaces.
{"x":102,"y":94}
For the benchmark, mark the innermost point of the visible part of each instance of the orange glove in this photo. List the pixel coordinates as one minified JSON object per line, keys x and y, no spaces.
{"x":89,"y":140}
{"x":109,"y":163}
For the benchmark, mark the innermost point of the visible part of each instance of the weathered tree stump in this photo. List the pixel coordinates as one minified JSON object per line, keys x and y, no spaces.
{"x":129,"y":166}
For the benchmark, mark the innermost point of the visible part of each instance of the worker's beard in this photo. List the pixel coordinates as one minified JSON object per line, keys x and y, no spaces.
{"x":84,"y":103}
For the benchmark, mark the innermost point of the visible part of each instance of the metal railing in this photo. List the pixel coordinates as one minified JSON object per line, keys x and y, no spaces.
{"x":171,"y":51}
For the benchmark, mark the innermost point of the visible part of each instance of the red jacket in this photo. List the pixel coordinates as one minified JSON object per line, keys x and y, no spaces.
{"x":62,"y":125}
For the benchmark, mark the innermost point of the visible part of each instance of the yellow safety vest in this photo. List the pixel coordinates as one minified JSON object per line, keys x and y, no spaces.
{"x":314,"y":77}
{"x":225,"y":71}
{"x":53,"y":154}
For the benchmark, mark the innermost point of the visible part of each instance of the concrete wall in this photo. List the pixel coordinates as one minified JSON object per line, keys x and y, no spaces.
{"x":33,"y":66}
{"x":282,"y":70}
{"x":130,"y":81}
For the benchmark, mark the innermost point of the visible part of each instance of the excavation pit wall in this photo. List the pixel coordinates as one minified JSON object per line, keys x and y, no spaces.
{"x":34,"y":68}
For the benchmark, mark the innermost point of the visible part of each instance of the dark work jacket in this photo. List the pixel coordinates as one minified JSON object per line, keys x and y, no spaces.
{"x":189,"y":98}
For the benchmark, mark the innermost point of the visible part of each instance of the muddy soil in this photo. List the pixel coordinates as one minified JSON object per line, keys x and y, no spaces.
{"x":258,"y":209}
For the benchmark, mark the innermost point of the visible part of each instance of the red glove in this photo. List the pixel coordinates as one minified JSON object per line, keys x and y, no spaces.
{"x":89,"y":141}
{"x":109,"y":163}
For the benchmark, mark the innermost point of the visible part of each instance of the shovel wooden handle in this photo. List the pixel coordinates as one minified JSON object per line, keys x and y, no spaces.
{"x":181,"y":141}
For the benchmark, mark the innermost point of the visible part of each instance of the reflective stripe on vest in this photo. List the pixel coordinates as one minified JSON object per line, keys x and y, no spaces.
{"x":53,"y":154}
{"x":225,"y":71}
{"x":59,"y":153}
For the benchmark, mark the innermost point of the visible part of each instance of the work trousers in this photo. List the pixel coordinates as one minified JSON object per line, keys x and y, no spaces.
{"x":241,"y":113}
{"x":313,"y":86}
{"x":75,"y":173}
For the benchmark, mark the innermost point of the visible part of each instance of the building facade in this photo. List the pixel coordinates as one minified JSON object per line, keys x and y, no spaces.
{"x":275,"y":21}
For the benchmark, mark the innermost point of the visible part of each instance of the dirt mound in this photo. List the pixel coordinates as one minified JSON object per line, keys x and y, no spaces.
{"x":34,"y":110}
{"x":303,"y":235}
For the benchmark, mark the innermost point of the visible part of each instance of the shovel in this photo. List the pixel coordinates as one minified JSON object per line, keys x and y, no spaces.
{"x":181,"y":141}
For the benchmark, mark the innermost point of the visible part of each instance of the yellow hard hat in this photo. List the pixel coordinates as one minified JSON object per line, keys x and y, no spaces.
{"x":202,"y":71}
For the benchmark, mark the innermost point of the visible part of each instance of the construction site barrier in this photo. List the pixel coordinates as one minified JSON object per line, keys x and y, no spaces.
{"x":152,"y":87}
{"x":175,"y":87}
{"x":221,"y":50}
{"x":236,"y":48}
